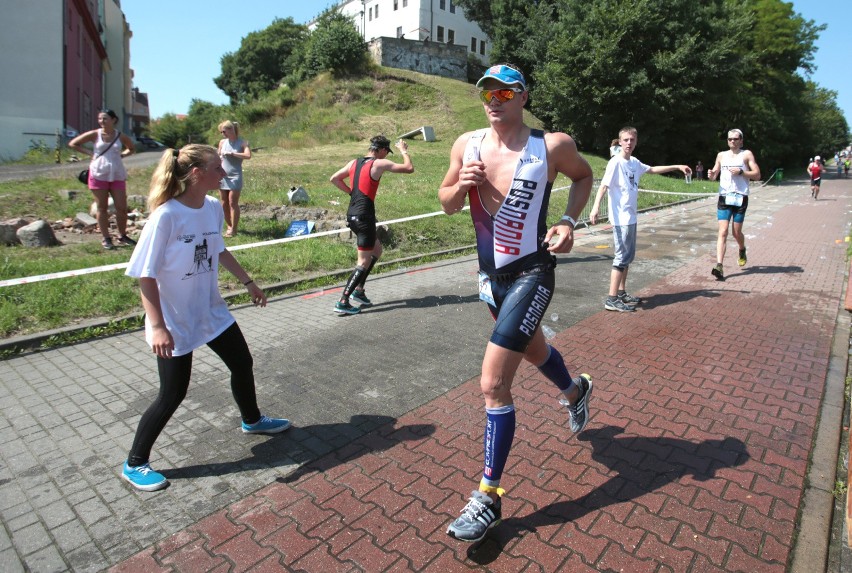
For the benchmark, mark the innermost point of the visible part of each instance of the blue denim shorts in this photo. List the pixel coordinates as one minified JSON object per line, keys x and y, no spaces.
{"x":624,"y":237}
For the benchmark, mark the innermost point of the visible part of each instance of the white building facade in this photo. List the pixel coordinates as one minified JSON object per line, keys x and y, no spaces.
{"x":118,"y":77}
{"x":439,"y":21}
{"x":32,"y":93}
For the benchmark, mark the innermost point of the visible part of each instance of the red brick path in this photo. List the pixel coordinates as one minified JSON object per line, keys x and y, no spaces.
{"x":704,"y":410}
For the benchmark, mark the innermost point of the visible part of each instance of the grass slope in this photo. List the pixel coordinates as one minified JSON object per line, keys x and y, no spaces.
{"x":329,"y":123}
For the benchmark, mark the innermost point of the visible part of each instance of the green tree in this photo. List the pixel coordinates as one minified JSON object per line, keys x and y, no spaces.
{"x":772,"y":104}
{"x":263,"y":60}
{"x":514,"y":27}
{"x":607,"y":65}
{"x":335,"y":45}
{"x":170,"y":130}
{"x":202,"y":118}
{"x":826,"y":124}
{"x":682,"y":72}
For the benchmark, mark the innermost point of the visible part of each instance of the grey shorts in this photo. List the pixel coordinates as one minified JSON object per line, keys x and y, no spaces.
{"x":624,"y":238}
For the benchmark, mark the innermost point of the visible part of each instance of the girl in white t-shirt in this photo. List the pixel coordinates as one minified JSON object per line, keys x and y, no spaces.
{"x":177,"y":263}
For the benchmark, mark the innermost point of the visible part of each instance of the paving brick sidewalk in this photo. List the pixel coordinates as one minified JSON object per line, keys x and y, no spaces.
{"x":705,"y":409}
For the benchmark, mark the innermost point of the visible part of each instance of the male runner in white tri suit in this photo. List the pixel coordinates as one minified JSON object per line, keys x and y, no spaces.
{"x":734,"y":168}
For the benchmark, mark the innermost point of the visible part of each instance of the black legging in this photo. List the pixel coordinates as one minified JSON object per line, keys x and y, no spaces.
{"x":174,"y":381}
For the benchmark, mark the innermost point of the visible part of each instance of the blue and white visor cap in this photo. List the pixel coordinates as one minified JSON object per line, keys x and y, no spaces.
{"x":504,"y":75}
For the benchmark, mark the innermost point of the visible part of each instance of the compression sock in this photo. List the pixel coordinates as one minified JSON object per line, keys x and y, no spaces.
{"x":555,"y":370}
{"x":352,"y":283}
{"x":499,"y":434}
{"x":367,"y":272}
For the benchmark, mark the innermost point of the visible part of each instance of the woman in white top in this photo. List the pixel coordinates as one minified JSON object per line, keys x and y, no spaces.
{"x":233,"y":150}
{"x":177,"y":263}
{"x":107,"y":175}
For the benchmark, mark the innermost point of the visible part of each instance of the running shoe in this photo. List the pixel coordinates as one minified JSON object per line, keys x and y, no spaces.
{"x":630,"y":299}
{"x":359,"y":296}
{"x":107,"y":244}
{"x":578,"y":414}
{"x":143,"y":477}
{"x":479,"y":515}
{"x":743,"y":258}
{"x":345,"y":308}
{"x":618,"y":305}
{"x":718,"y":272}
{"x":266,"y":426}
{"x":126,"y":241}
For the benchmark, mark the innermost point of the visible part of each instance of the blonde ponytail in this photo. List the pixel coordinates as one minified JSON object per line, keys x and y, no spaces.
{"x":174,"y":172}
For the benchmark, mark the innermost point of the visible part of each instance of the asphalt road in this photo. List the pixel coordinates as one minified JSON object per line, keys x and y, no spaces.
{"x":16,"y":172}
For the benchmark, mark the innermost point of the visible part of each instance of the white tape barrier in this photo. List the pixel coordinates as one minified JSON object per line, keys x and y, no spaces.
{"x":120,"y":266}
{"x":62,"y":275}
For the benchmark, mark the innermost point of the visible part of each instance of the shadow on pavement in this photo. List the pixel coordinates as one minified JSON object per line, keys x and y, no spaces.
{"x":767,"y":270}
{"x":322,"y":439}
{"x":423,"y":302}
{"x":656,"y":300}
{"x":372,"y":441}
{"x":643,"y":464}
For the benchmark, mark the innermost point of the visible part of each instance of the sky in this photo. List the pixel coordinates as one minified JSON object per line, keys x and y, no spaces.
{"x":177,"y":45}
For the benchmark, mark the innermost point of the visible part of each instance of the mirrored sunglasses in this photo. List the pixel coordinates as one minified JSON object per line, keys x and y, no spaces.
{"x":501,"y":95}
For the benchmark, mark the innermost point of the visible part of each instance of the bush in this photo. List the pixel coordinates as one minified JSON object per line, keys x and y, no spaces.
{"x":336,"y":46}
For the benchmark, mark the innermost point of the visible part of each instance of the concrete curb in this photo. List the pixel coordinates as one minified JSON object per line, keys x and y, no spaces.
{"x":810,"y":552}
{"x":35,"y":342}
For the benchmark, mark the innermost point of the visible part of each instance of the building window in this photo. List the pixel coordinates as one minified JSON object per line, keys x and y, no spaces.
{"x":442,"y":4}
{"x":377,"y":11}
{"x":404,"y":3}
{"x":371,"y":13}
{"x":473,"y":45}
{"x":399,"y":31}
{"x":452,"y":7}
{"x":396,"y":4}
{"x":440,"y":33}
{"x":482,"y":47}
{"x":451,"y":36}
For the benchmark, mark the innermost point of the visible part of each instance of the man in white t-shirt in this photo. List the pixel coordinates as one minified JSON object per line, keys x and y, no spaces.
{"x":621,"y":180}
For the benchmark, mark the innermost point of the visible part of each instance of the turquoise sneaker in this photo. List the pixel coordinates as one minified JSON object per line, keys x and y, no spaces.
{"x":360,"y":297}
{"x":266,"y":426}
{"x":144,"y":478}
{"x":345,"y":308}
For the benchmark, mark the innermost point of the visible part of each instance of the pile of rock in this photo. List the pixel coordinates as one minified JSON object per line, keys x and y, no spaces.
{"x":30,"y":231}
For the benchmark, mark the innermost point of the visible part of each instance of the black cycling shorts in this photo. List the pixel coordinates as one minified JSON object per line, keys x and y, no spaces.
{"x":365,"y":230}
